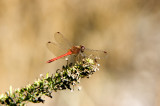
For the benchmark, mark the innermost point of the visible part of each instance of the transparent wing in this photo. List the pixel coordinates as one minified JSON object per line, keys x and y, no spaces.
{"x":60,"y":46}
{"x":62,"y":41}
{"x":94,"y":53}
{"x":55,"y":48}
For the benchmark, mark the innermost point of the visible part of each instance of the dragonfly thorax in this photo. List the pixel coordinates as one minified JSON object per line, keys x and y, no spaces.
{"x":77,"y":49}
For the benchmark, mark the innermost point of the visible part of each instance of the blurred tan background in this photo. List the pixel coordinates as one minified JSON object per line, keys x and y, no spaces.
{"x":128,"y":29}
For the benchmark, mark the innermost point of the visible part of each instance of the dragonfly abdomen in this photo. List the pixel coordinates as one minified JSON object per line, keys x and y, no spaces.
{"x":66,"y":54}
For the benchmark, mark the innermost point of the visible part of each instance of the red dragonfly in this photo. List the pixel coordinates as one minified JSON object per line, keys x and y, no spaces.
{"x":62,"y":45}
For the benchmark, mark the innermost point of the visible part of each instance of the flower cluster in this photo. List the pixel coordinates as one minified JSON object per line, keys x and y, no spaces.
{"x":65,"y":78}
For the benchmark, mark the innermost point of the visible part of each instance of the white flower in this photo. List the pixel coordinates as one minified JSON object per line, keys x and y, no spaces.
{"x":66,"y":58}
{"x":79,"y":88}
{"x":41,"y":75}
{"x":72,"y":90}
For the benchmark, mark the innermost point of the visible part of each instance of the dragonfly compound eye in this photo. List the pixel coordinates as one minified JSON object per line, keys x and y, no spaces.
{"x":82,"y":48}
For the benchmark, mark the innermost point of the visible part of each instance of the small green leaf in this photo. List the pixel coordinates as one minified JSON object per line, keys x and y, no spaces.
{"x":47,"y":75}
{"x":10,"y":89}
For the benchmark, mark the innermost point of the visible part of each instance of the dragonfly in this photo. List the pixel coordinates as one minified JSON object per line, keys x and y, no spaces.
{"x":62,"y":48}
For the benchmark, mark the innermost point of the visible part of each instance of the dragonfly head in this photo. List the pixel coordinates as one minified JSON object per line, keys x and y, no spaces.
{"x":82,"y":49}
